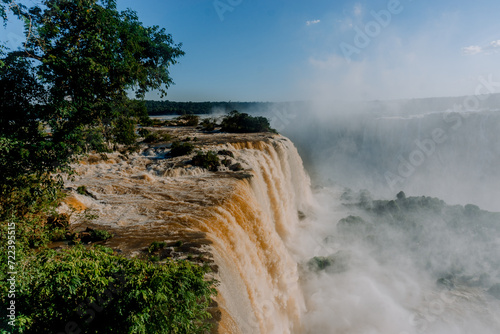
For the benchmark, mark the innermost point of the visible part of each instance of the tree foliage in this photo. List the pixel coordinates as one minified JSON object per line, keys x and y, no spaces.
{"x":90,"y":54}
{"x":243,"y":122}
{"x":23,"y":102}
{"x":208,"y":160}
{"x":179,"y":148}
{"x":94,"y":52}
{"x":209,"y":124}
{"x":28,"y":153}
{"x":100,"y":292}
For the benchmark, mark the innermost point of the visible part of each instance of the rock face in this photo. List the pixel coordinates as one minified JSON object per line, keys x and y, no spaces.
{"x":235,"y":219}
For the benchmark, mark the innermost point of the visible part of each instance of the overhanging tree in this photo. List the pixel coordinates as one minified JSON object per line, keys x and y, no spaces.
{"x":27,"y":152}
{"x":91,"y":54}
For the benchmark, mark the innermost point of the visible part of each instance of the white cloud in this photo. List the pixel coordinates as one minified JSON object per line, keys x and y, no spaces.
{"x":472,"y":50}
{"x":495,"y":44}
{"x":313,"y":22}
{"x":489,"y":49}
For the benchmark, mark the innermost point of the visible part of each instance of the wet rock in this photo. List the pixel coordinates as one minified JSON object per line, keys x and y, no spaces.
{"x":150,"y":152}
{"x":226,"y":162}
{"x":354,"y":225}
{"x":332,"y":264}
{"x":236,"y":167}
{"x":226,"y":152}
{"x":446,"y":282}
{"x":90,"y":235}
{"x":74,"y":202}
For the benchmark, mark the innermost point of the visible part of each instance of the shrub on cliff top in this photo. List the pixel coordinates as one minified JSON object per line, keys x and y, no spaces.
{"x":244,"y":123}
{"x":188,"y":120}
{"x":208,"y":160}
{"x":208,"y":124}
{"x":154,"y":136}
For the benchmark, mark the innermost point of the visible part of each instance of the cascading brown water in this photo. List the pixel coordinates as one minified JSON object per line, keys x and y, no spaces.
{"x":250,"y":232}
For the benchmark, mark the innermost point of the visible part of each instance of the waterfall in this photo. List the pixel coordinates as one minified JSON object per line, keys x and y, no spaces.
{"x":259,"y":291}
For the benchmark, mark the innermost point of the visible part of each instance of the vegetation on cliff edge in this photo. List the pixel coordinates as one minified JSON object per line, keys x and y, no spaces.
{"x":64,"y":94}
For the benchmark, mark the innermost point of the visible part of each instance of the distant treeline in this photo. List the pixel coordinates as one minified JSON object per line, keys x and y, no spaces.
{"x":186,"y":108}
{"x":403,"y":106}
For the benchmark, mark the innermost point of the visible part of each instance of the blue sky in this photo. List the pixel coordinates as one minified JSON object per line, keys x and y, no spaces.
{"x":285,"y":50}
